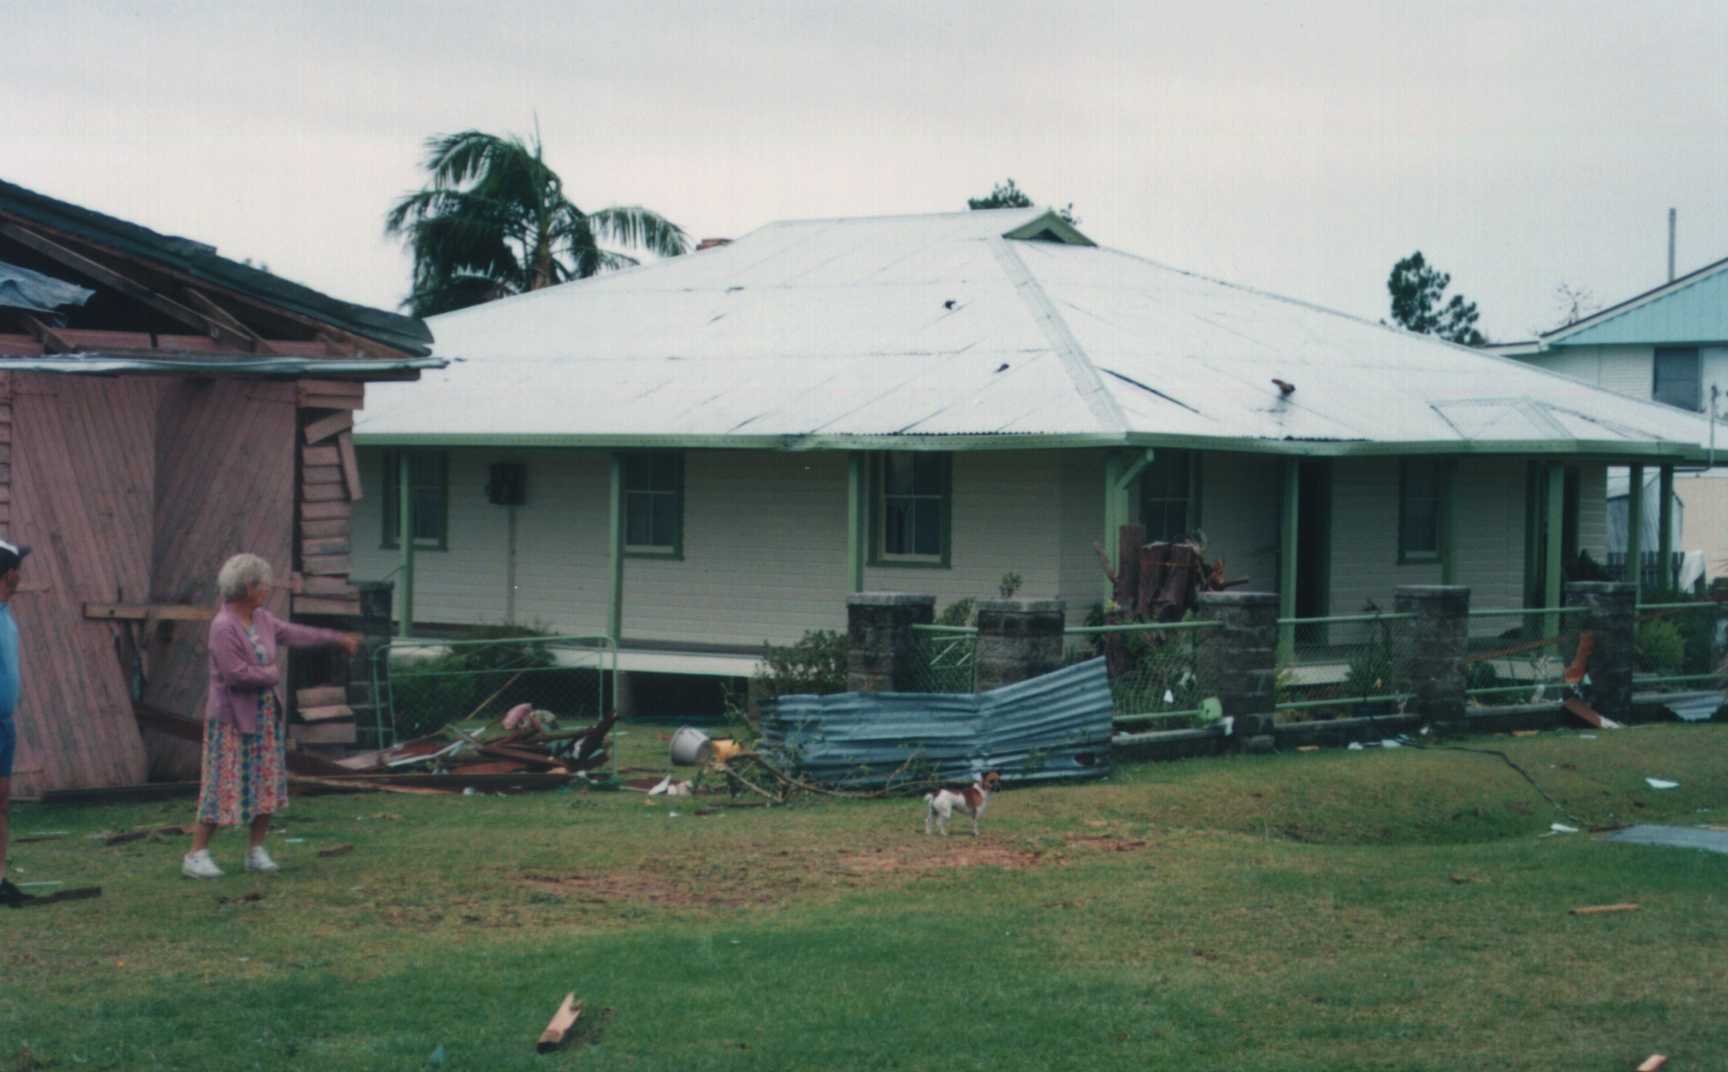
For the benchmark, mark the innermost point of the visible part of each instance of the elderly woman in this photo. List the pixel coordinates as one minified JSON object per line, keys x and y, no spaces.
{"x":245,"y":777}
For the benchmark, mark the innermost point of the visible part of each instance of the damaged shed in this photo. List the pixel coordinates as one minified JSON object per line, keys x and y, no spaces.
{"x":161,"y":408}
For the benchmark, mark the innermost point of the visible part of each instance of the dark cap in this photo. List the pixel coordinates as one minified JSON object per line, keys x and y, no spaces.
{"x":11,"y":555}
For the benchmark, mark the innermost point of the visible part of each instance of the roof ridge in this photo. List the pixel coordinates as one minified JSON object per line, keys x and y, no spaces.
{"x":1075,"y":361}
{"x":1637,"y":301}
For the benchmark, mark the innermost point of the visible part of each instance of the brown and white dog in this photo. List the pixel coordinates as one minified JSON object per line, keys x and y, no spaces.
{"x":971,"y":799}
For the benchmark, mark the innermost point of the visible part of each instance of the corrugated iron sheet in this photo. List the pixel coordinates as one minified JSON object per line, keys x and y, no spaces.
{"x":1048,"y":728}
{"x":947,"y":325}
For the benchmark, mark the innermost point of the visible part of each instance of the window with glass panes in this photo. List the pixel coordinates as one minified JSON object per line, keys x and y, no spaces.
{"x":1167,"y":496}
{"x":911,"y":506}
{"x":1676,"y":379}
{"x":429,"y":486}
{"x":1420,"y":492}
{"x":654,"y":503}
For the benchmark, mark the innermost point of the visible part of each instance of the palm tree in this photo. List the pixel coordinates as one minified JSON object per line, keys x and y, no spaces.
{"x":494,"y":221}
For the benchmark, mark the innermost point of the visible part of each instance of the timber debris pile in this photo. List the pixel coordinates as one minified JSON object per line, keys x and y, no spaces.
{"x":524,"y":741}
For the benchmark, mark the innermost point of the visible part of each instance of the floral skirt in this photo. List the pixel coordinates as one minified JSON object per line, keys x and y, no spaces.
{"x":245,"y":774}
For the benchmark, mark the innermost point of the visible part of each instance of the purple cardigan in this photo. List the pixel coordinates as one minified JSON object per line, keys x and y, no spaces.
{"x":236,"y":678}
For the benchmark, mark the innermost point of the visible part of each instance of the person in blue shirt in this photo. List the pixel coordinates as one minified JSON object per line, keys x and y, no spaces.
{"x":11,"y":558}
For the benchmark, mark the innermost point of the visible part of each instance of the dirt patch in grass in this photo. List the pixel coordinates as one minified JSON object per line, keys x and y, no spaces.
{"x":773,"y":876}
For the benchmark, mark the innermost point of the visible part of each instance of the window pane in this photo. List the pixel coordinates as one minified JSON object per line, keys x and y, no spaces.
{"x":428,"y":515}
{"x":638,"y":473}
{"x":1677,"y":379}
{"x":638,"y":520}
{"x":1421,"y":480}
{"x":665,"y":472}
{"x":928,"y":527}
{"x":665,"y":520}
{"x":1421,"y":530}
{"x":897,"y":474}
{"x":929,"y":474}
{"x":897,"y":530}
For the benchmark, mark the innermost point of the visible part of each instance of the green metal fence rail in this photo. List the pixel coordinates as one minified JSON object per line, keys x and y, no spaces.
{"x":1344,"y":664}
{"x":1680,"y":645}
{"x":947,"y":657}
{"x":1153,"y":678}
{"x":1519,"y":655}
{"x":420,"y":685}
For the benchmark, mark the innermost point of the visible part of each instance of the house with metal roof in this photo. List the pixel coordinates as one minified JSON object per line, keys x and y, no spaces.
{"x":1669,"y":345}
{"x":710,"y":452}
{"x":161,"y":408}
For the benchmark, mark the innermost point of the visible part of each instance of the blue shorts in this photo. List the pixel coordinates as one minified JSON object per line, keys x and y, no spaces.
{"x":8,"y":746}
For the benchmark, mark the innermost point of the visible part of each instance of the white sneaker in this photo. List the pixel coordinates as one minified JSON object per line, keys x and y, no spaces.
{"x":259,"y":860}
{"x":199,"y":865}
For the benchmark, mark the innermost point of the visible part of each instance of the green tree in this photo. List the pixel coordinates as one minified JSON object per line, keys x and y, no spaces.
{"x":1007,"y":194}
{"x":1417,"y":290}
{"x":493,"y":220}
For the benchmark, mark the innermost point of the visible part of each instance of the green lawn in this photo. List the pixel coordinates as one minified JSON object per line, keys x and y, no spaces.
{"x":1334,"y":910}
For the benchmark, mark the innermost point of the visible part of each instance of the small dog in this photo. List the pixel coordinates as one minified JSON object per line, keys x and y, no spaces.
{"x":971,"y":799}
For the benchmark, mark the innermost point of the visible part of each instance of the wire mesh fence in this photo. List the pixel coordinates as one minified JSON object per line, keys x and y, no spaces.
{"x":1680,"y":646}
{"x":1523,"y":655}
{"x":947,"y":657}
{"x":1154,"y":679}
{"x":1342,"y":666}
{"x":425,"y":685}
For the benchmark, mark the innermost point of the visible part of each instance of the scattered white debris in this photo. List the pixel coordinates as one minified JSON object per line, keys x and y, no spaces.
{"x":668,"y":788}
{"x":1389,"y":743}
{"x":1355,"y":746}
{"x":1661,"y":783}
{"x":1586,"y":736}
{"x":1561,"y":828}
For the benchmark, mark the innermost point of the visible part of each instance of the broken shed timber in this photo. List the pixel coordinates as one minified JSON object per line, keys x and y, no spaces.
{"x":150,"y":433}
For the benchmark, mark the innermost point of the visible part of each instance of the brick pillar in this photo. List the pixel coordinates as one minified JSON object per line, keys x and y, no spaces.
{"x":1238,"y":663}
{"x":882,"y":652}
{"x":1428,"y":652}
{"x":1613,"y":625}
{"x":1018,"y":639}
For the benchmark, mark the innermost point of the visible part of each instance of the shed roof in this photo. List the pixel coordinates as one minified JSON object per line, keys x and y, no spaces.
{"x":201,"y":263}
{"x":975,"y":329}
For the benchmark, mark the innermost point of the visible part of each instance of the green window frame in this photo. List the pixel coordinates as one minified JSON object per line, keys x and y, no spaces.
{"x":429,"y":479}
{"x":912,"y":509}
{"x":653,"y":503}
{"x":1170,"y":495}
{"x":1421,"y":499}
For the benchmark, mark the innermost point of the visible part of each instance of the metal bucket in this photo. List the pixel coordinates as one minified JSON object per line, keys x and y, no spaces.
{"x":690,"y":747}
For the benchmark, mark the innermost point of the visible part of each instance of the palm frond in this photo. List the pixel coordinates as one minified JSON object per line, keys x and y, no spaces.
{"x":456,"y":292}
{"x":635,"y":227}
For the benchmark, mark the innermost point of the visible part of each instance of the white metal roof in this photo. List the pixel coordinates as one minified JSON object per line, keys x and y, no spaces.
{"x":1000,"y":323}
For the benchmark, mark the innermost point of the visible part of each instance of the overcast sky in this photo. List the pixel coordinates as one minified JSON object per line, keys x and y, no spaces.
{"x":1299,"y":147}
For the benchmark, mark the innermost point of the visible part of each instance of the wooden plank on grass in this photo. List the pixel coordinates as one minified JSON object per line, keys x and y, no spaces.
{"x":325,"y":427}
{"x":321,"y":714}
{"x":1603,"y":909}
{"x":562,"y":1023}
{"x":350,"y":465}
{"x":321,"y":695}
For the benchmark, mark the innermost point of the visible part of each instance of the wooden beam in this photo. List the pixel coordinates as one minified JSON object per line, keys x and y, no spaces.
{"x":350,"y":465}
{"x":325,"y":564}
{"x":131,"y":288}
{"x":227,"y":319}
{"x":344,"y":388}
{"x":323,"y":733}
{"x":310,"y":456}
{"x":142,"y":612}
{"x":311,"y":493}
{"x":326,"y":585}
{"x":321,"y":695}
{"x":329,"y":711}
{"x":329,"y":545}
{"x":52,"y":341}
{"x":325,"y":427}
{"x":321,"y":474}
{"x":323,"y":511}
{"x":323,"y":529}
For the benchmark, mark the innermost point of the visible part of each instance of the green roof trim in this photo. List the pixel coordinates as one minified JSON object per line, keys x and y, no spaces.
{"x":1607,"y":450}
{"x":202,"y":262}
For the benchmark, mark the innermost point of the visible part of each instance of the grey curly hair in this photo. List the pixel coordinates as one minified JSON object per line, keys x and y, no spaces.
{"x":240,"y":573}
